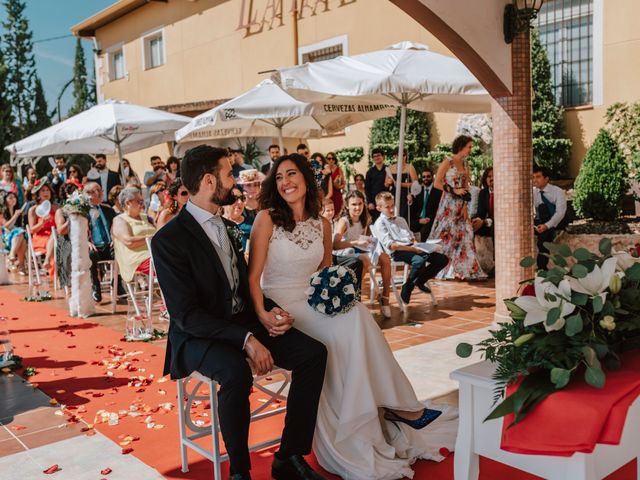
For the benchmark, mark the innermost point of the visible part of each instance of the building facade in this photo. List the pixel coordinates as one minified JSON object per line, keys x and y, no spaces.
{"x":190,"y":55}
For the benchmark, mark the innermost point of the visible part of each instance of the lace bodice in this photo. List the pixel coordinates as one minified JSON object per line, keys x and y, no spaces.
{"x":291,"y":259}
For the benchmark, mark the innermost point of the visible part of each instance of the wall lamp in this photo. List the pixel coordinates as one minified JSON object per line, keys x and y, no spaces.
{"x":518,"y":16}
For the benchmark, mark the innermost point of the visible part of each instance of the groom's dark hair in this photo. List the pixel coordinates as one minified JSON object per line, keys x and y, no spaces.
{"x":199,"y":161}
{"x":270,"y":198}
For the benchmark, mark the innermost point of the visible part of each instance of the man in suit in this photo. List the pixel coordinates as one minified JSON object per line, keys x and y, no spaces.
{"x":274,"y":153}
{"x":550,"y":204}
{"x":103,"y":176}
{"x":482,"y":221}
{"x":214,"y":328}
{"x":377,"y":180}
{"x":100,"y":221}
{"x":58,"y":175}
{"x":425,"y":206}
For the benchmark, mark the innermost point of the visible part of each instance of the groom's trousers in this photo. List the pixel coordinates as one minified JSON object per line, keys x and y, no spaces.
{"x":305,"y":357}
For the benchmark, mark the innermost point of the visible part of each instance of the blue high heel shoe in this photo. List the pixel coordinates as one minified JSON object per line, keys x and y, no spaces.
{"x":427,"y":417}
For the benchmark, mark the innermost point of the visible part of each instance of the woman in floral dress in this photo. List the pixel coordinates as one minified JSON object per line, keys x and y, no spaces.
{"x":452,"y":225}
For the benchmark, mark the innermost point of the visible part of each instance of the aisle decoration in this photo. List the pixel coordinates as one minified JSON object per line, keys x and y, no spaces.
{"x":332,"y":290}
{"x":574,"y":319}
{"x":81,"y":303}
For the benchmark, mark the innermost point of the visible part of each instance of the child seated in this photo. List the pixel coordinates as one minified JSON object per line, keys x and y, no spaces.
{"x":396,"y":238}
{"x":350,"y":239}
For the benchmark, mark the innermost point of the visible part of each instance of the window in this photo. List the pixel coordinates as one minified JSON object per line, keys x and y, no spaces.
{"x":153,"y":49}
{"x":117,"y":68}
{"x":566,"y":31}
{"x":325,"y":50}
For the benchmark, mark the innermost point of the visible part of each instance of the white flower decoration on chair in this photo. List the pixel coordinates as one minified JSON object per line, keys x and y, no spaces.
{"x":537,"y":307}
{"x":625,"y":260}
{"x":597,"y":281}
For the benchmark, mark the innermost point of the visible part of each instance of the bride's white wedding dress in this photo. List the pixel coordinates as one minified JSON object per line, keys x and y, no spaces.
{"x":352,"y":439}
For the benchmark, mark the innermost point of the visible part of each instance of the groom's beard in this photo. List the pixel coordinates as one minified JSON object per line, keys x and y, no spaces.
{"x":223,"y":196}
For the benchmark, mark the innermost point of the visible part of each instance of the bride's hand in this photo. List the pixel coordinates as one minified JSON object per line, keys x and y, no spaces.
{"x":277,"y":321}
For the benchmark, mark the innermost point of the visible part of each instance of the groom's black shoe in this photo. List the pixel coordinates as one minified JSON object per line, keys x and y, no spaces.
{"x":294,"y":467}
{"x":240,"y":476}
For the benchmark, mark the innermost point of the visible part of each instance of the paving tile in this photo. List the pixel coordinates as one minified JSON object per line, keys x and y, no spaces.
{"x":10,"y":446}
{"x":52,"y":435}
{"x":35,"y":421}
{"x":11,"y":407}
{"x":5,"y":434}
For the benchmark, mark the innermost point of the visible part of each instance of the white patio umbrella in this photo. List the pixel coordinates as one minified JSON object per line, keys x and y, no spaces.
{"x":109,"y":128}
{"x":406,"y":74}
{"x":269,"y":111}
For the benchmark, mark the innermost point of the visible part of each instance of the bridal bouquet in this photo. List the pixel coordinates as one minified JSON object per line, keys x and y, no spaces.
{"x":77,"y":203}
{"x":332,"y":290}
{"x":574,"y":319}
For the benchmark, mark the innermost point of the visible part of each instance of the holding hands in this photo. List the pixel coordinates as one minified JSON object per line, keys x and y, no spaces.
{"x":277,"y":321}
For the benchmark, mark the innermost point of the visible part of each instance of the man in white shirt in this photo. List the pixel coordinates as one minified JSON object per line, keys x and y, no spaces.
{"x":397,"y":240}
{"x":550,"y":204}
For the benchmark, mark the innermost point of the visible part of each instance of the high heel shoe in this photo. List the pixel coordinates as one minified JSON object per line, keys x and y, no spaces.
{"x":427,"y":417}
{"x":385,"y":309}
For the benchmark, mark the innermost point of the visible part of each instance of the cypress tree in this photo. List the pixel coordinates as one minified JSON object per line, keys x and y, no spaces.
{"x":6,"y":117}
{"x":81,"y":94}
{"x":551,"y":148}
{"x":40,"y":116}
{"x":21,"y":78}
{"x":385,"y":133}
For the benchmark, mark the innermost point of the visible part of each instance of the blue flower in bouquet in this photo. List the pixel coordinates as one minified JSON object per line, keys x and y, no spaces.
{"x":332,"y":290}
{"x":317,"y":171}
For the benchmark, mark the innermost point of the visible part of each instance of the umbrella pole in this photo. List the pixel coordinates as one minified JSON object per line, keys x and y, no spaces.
{"x":400,"y":166}
{"x":280,"y":141}
{"x":122,"y":179}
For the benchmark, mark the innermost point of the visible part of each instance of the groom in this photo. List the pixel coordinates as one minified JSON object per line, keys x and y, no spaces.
{"x":214,"y":328}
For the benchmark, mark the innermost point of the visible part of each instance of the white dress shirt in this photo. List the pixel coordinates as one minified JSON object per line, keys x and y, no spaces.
{"x":203,"y":217}
{"x":393,"y":230}
{"x":556,"y":196}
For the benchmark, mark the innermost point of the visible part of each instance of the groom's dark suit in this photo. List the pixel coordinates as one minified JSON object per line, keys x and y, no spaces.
{"x":204,"y":335}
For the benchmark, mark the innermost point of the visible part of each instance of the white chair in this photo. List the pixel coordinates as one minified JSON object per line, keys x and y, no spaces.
{"x":35,"y":261}
{"x":153,"y":282}
{"x":189,"y":431}
{"x":108,"y":272}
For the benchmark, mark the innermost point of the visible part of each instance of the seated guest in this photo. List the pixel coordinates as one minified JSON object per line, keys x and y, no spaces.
{"x":58,"y":174}
{"x":234,"y":212}
{"x":100,"y":221}
{"x":176,"y":199}
{"x":359,"y":183}
{"x":40,"y":227}
{"x":351,"y":261}
{"x":398,"y":241}
{"x":251,"y":183}
{"x":125,"y":171}
{"x":75,"y":172}
{"x":173,"y":169}
{"x":303,"y":150}
{"x":158,"y":173}
{"x":130,"y":232}
{"x":550,"y":204}
{"x":482,"y":222}
{"x":28,"y":182}
{"x":424,"y":205}
{"x":12,"y":228}
{"x":114,"y":193}
{"x":274,"y":153}
{"x":237,"y":162}
{"x":350,"y":240}
{"x":157,"y":199}
{"x":8,"y":182}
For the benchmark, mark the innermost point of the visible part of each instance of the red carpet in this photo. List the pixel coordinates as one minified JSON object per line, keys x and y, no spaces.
{"x":90,"y":370}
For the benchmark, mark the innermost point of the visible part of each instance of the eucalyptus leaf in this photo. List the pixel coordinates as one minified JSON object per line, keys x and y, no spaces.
{"x":595,"y":377}
{"x":516,"y":312}
{"x":564,"y":250}
{"x":589,"y":355}
{"x":605,"y":246}
{"x":582,"y":254}
{"x":633,"y":272}
{"x":527,"y":262}
{"x":579,"y":298}
{"x":559,"y":260}
{"x":553,"y":315}
{"x":597,"y":304}
{"x":574,"y":325}
{"x":579,"y":271}
{"x":464,"y":350}
{"x":560,"y":377}
{"x":552,"y":247}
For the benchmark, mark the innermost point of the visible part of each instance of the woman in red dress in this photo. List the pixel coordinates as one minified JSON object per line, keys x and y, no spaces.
{"x":339,"y":183}
{"x":40,"y":227}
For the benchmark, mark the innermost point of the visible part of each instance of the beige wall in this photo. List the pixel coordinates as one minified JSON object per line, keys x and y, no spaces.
{"x":207,"y":58}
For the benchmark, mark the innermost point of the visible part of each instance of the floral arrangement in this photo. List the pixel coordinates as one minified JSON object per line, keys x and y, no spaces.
{"x":332,"y":290}
{"x":235,"y":234}
{"x":77,"y":203}
{"x":574,"y":319}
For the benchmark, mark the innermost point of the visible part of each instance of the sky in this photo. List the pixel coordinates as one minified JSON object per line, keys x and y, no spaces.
{"x":54,"y":58}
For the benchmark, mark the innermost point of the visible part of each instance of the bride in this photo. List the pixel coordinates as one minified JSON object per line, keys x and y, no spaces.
{"x":370,"y":424}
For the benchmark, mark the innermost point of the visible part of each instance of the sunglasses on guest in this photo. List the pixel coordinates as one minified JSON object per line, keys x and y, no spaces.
{"x":242,"y":198}
{"x":184,"y":193}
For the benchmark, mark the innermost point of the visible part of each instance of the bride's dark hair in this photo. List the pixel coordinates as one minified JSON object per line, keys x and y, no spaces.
{"x":270,"y":199}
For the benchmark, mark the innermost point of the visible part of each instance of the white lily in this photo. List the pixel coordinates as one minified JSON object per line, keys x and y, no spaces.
{"x":537,"y":307}
{"x":625,"y":260}
{"x":597,"y":281}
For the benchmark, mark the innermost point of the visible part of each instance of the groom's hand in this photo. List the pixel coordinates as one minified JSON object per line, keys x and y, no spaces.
{"x":260,"y":357}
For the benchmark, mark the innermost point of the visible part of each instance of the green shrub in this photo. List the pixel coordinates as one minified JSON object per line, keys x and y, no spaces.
{"x":602,"y":182}
{"x":348,"y":157}
{"x":385,"y":134}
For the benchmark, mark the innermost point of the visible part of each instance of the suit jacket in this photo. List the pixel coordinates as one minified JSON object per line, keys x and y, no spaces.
{"x":433,"y":202}
{"x":484,"y":212}
{"x":266,"y":167}
{"x":113,"y":179}
{"x":197,"y":294}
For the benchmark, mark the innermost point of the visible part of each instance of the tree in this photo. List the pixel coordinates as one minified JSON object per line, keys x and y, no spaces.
{"x":81,"y":93}
{"x":21,"y":78}
{"x":551,"y":148}
{"x":41,"y":118}
{"x":603,"y":180}
{"x":6,"y":117}
{"x":385,"y":133}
